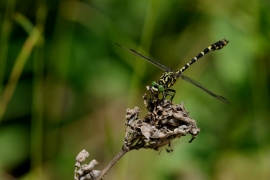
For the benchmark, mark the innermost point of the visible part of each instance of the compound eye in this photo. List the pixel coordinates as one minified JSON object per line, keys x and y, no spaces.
{"x":154,"y":83}
{"x":160,"y":88}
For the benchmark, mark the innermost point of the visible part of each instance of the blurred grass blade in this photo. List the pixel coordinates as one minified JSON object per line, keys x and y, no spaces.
{"x":4,"y":39}
{"x":145,"y":41}
{"x":16,"y":72}
{"x":24,"y":22}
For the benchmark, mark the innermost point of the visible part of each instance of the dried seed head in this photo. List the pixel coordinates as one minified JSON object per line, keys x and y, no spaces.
{"x":163,"y":123}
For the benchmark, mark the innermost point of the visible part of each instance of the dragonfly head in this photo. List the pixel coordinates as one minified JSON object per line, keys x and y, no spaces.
{"x":156,"y":88}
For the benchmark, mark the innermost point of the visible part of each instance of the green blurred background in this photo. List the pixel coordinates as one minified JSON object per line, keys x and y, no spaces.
{"x":65,"y":86}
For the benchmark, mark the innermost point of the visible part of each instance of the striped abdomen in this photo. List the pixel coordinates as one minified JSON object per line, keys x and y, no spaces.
{"x":216,"y":46}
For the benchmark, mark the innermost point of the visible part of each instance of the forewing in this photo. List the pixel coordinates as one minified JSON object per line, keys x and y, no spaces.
{"x":154,"y":62}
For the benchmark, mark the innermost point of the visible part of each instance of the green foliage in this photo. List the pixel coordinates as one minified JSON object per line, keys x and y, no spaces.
{"x":65,"y":86}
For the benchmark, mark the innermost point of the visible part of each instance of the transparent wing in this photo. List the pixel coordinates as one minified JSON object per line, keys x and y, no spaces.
{"x":154,"y":62}
{"x":188,"y":79}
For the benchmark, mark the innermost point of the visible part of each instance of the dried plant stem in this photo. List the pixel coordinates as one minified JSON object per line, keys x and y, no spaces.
{"x":112,"y":163}
{"x":163,"y":123}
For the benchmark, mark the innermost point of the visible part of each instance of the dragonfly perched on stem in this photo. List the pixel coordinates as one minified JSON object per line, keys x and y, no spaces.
{"x":169,"y":77}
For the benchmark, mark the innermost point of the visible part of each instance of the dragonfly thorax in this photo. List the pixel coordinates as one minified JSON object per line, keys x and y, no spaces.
{"x":168,"y":79}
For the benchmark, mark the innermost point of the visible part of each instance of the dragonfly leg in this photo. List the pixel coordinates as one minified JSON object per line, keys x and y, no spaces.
{"x":164,"y":94}
{"x":170,"y":92}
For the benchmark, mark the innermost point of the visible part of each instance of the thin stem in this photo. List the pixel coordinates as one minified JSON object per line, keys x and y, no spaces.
{"x":112,"y":163}
{"x":37,"y":122}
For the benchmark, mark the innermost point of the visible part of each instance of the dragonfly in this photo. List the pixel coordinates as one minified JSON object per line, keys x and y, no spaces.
{"x":169,"y":77}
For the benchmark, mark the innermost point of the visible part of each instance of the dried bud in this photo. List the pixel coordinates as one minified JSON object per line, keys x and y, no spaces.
{"x":85,"y":171}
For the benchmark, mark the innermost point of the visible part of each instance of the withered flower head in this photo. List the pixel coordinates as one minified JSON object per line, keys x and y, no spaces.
{"x":163,"y":123}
